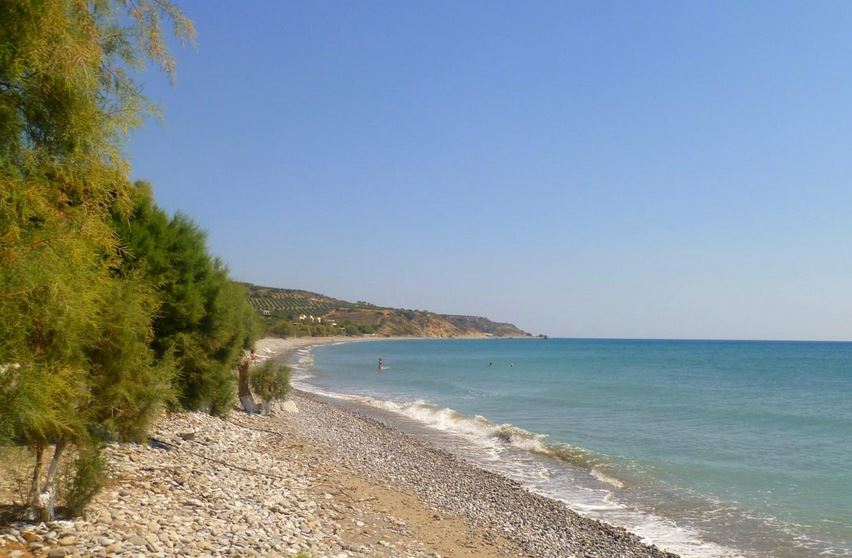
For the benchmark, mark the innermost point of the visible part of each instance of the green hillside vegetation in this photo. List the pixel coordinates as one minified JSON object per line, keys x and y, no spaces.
{"x":290,"y":313}
{"x":291,"y":303}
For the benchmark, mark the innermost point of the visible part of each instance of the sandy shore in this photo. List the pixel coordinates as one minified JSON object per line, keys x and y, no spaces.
{"x":323,"y":480}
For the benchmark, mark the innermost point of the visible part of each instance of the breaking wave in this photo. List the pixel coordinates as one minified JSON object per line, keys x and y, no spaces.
{"x":486,"y":432}
{"x":620,"y":492}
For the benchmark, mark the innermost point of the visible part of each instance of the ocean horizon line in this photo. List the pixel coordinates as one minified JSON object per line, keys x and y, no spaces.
{"x":687,"y":339}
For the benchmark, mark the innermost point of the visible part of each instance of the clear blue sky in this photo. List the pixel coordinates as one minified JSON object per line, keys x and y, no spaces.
{"x":614,"y":169}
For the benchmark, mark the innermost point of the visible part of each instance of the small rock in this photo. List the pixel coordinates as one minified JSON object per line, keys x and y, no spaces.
{"x":290,"y":407}
{"x":152,"y":539}
{"x":31,"y":537}
{"x":136,"y":540}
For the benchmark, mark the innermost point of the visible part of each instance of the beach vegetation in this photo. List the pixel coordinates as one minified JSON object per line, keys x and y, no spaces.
{"x":76,"y":363}
{"x":205,"y":321}
{"x":288,"y":328}
{"x":82,"y":479}
{"x":271,"y":382}
{"x":352,"y":328}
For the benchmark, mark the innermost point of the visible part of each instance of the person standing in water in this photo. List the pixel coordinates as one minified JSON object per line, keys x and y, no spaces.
{"x":381,"y":364}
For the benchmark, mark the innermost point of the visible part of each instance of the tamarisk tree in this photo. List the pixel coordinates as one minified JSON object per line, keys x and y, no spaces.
{"x":205,"y":321}
{"x":75,"y":356}
{"x":271,"y":382}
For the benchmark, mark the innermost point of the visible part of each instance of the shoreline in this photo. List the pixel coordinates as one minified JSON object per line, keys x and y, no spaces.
{"x":540,"y":526}
{"x":314,"y":477}
{"x":446,"y":397}
{"x":284,"y":347}
{"x":533,"y":504}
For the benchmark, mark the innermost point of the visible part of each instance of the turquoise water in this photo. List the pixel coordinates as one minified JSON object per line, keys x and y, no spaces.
{"x":707,"y":448}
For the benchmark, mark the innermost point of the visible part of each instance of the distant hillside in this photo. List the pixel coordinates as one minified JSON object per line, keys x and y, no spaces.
{"x":292,"y":312}
{"x":484,"y":325}
{"x":283,"y":302}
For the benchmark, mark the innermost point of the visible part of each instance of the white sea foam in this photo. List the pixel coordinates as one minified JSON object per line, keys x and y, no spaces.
{"x":477,"y":428}
{"x":495,"y":438}
{"x":683,"y":541}
{"x":608,"y":479}
{"x":651,"y":528}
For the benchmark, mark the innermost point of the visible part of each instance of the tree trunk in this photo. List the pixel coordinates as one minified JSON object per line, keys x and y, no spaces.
{"x":39,"y":456}
{"x":243,"y":388}
{"x":47,"y":498}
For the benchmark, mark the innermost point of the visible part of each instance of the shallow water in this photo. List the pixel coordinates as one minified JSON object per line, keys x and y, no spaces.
{"x":705,"y":448}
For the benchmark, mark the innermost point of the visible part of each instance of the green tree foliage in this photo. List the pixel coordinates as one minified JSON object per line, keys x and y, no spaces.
{"x":288,"y":328}
{"x":291,"y":328}
{"x":205,"y":320}
{"x":66,"y":101}
{"x":271,"y":382}
{"x":351,"y":328}
{"x":84,"y":479}
{"x":284,"y":328}
{"x":129,"y":385}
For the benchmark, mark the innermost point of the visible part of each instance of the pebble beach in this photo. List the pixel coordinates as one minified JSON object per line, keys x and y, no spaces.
{"x":314,"y":478}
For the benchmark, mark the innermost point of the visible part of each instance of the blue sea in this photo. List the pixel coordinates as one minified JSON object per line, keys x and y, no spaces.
{"x":704,"y":448}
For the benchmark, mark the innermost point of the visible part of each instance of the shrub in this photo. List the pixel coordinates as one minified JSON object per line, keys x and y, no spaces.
{"x":204,"y":320}
{"x":85,"y":480}
{"x":271,"y":382}
{"x":221,"y":393}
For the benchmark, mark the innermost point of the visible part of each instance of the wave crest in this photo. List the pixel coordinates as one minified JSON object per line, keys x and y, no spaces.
{"x":486,"y":431}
